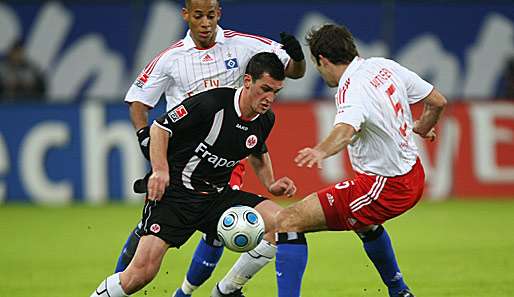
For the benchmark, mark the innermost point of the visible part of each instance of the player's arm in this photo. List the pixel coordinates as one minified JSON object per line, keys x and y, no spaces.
{"x":139,"y":115}
{"x":340,"y":137}
{"x":263,"y":168}
{"x":160,"y":177}
{"x":139,"y":118}
{"x":434,"y":105}
{"x":143,"y":95}
{"x":296,"y":66}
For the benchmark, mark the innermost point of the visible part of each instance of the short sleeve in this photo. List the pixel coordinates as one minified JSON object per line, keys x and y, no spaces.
{"x":183,"y":116}
{"x":417,"y":88}
{"x":350,"y":106}
{"x":150,"y":83}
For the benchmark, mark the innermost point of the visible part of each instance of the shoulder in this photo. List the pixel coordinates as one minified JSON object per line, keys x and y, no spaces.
{"x":173,"y":51}
{"x":245,"y":38}
{"x":213,"y":98}
{"x":268,"y":119}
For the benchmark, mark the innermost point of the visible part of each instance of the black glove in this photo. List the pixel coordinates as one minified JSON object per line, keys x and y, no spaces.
{"x":141,"y":185}
{"x":143,"y":137}
{"x":292,"y":46}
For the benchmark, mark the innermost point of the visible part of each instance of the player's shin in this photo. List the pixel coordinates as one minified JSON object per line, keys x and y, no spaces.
{"x":129,"y":249}
{"x":247,"y":266}
{"x":290,"y":263}
{"x":110,"y":287}
{"x":206,"y":257}
{"x":379,"y":249}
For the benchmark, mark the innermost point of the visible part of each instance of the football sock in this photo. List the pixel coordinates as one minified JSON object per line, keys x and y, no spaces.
{"x":110,"y":287}
{"x":247,"y":266}
{"x":379,"y":249}
{"x":129,"y":249}
{"x":206,"y":256}
{"x":290,"y":263}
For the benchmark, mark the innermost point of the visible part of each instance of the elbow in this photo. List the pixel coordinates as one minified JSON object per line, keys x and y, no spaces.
{"x":441,"y":103}
{"x":295,"y":75}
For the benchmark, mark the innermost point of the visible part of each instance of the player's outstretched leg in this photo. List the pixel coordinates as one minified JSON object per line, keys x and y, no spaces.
{"x":129,"y":249}
{"x":206,"y":257}
{"x":247,"y":266}
{"x":379,"y":249}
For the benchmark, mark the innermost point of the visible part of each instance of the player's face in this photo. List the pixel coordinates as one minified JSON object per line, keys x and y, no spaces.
{"x":263,"y":92}
{"x":202,"y":17}
{"x":324,"y":70}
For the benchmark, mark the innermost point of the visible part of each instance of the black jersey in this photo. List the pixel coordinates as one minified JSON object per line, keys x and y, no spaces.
{"x":209,"y":137}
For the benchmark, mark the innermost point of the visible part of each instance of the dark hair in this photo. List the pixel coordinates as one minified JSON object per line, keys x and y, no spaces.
{"x":332,"y":42}
{"x":265,"y":63}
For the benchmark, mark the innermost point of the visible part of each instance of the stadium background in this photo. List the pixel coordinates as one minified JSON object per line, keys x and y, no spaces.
{"x":77,"y":146}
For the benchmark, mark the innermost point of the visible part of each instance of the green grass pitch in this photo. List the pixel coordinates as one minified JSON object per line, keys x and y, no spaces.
{"x":455,"y":248}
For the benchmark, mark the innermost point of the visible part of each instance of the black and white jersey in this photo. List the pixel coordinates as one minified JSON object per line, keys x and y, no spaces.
{"x":209,"y":137}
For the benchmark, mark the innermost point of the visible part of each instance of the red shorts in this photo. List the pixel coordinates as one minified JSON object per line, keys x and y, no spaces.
{"x":236,"y":179}
{"x":371,"y":199}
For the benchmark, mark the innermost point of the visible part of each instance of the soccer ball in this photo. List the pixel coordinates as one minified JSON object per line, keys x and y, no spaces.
{"x":240,"y":228}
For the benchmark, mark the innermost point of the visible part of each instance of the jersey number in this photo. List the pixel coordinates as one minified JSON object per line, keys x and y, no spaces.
{"x":398,"y":109}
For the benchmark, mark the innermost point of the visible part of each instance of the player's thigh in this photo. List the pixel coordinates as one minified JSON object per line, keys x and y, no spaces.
{"x":305,"y":215}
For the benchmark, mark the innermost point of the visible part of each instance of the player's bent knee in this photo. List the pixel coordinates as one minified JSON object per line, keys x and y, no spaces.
{"x":287,"y":220}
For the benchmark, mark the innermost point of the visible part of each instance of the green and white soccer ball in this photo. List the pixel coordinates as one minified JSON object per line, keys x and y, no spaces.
{"x":240,"y":228}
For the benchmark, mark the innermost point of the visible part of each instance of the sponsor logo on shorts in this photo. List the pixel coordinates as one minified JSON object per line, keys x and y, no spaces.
{"x":330,"y":199}
{"x":251,"y":141}
{"x":155,"y":228}
{"x":352,"y":221}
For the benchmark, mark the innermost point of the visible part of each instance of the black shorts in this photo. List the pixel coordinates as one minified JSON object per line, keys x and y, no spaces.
{"x":179,"y":214}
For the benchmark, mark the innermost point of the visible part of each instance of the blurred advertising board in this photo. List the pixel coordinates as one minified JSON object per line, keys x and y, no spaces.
{"x":88,"y":152}
{"x":464,"y":52}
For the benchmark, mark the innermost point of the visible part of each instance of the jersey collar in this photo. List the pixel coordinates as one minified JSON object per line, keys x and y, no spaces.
{"x":352,"y":67}
{"x":237,"y":97}
{"x":189,"y":43}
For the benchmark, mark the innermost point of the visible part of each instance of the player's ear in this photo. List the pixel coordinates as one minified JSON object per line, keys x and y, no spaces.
{"x":185,"y":14}
{"x":322,"y":61}
{"x":218,"y":12}
{"x":247,"y":81}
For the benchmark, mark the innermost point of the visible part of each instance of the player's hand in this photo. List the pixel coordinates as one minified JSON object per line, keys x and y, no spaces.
{"x":282,"y":186}
{"x":292,"y":46}
{"x":143,"y":138}
{"x":430,"y":135}
{"x":308,"y":157}
{"x":157,"y":184}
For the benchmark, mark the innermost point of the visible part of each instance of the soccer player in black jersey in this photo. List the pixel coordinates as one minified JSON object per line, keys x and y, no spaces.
{"x":188,"y":189}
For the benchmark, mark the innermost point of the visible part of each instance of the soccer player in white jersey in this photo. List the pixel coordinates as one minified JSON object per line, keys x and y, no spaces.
{"x":207,"y":57}
{"x":374,"y":122}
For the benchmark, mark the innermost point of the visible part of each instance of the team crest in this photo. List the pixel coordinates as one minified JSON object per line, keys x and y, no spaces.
{"x":177,"y":113}
{"x":155,"y":228}
{"x":231,"y":63}
{"x":251,"y":141}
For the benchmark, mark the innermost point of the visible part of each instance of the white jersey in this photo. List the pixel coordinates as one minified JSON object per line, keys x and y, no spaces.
{"x":182,"y":70}
{"x":374,"y":96}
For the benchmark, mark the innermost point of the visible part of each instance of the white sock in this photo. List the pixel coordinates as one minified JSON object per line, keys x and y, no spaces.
{"x":247,"y":266}
{"x":110,"y":287}
{"x":187,"y":287}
